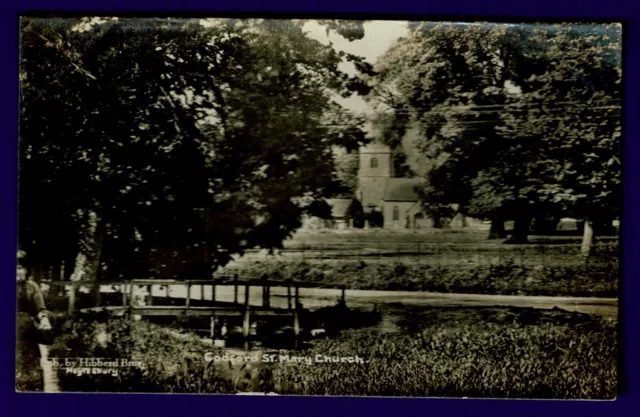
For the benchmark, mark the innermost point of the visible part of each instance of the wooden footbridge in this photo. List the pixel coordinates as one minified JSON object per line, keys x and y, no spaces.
{"x":228,"y":295}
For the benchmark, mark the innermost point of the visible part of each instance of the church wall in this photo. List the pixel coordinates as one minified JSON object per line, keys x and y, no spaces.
{"x":371,"y":191}
{"x":422,"y":222}
{"x":382,"y":164}
{"x":373,"y":173}
{"x":404,"y":207}
{"x":419,"y":220}
{"x":373,"y":180}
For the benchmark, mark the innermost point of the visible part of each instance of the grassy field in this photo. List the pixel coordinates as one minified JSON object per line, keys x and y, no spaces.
{"x":446,"y":352}
{"x":403,"y":236}
{"x":386,"y":235}
{"x":432,"y":254}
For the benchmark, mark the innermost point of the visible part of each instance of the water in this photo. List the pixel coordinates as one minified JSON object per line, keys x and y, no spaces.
{"x":314,"y":298}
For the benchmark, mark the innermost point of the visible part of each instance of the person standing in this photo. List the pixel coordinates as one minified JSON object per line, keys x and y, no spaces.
{"x":33,"y":321}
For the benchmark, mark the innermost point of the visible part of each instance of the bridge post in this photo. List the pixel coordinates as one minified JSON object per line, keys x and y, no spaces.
{"x":296,"y":317}
{"x":235,"y":288}
{"x":212,"y":326}
{"x":288,"y":295}
{"x":342,"y":295}
{"x":246,"y":323}
{"x":123,"y":288}
{"x":213,"y":293}
{"x":150,"y":289}
{"x":265,"y":292}
{"x":98,"y":294}
{"x":72,"y":299}
{"x":131,"y":300}
{"x":296,"y":328}
{"x":188,"y":300}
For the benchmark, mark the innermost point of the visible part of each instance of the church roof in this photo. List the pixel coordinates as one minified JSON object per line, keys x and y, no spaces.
{"x":339,"y":206}
{"x":402,"y":189}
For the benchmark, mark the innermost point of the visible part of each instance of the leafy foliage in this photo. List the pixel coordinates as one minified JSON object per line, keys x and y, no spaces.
{"x":350,"y":29}
{"x":347,"y":164}
{"x":356,"y":214}
{"x":509,"y":113}
{"x":571,"y":112}
{"x":186,"y":142}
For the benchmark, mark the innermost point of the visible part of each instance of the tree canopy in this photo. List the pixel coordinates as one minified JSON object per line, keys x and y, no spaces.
{"x":527,"y":113}
{"x":148,"y":141}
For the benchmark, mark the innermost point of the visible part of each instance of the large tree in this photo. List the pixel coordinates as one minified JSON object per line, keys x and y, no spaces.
{"x":448,"y":82}
{"x":164,"y":141}
{"x":565,"y":127}
{"x":500,"y":109}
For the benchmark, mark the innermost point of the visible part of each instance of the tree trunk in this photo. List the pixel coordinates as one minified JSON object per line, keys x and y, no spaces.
{"x":68,"y":267}
{"x":80,"y":266}
{"x":96,"y":261}
{"x":521,"y":230}
{"x":436,"y":221}
{"x":87,"y":262}
{"x":588,"y":239}
{"x":497,"y":229}
{"x":56,"y":270}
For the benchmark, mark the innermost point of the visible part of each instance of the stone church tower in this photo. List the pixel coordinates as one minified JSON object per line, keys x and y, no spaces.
{"x":374,"y":171}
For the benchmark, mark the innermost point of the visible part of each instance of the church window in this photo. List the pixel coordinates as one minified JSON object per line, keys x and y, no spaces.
{"x":396,"y":214}
{"x":374,"y":163}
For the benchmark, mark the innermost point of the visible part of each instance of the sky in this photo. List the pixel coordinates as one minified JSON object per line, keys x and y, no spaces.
{"x":378,"y":37}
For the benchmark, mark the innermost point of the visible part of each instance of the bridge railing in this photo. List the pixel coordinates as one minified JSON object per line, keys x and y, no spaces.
{"x":136,"y":293}
{"x":208,"y":306}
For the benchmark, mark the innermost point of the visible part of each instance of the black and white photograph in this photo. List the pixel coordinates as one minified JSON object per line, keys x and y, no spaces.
{"x":319,"y":207}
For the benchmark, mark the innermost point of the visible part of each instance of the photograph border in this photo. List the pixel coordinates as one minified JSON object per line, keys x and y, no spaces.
{"x":600,"y":11}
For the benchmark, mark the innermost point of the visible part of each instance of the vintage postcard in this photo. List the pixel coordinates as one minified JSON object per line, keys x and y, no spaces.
{"x":319,"y":207}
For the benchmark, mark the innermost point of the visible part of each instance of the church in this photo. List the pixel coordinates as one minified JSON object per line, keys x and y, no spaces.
{"x":379,"y":190}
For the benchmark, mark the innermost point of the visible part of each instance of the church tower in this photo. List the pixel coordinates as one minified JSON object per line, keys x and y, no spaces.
{"x":374,"y":171}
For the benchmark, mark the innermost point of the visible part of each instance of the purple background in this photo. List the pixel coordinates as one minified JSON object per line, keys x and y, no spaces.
{"x":72,"y":405}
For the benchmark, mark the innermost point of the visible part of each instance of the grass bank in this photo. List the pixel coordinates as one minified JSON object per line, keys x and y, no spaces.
{"x":504,"y":353}
{"x":598,"y":278}
{"x":446,"y":352}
